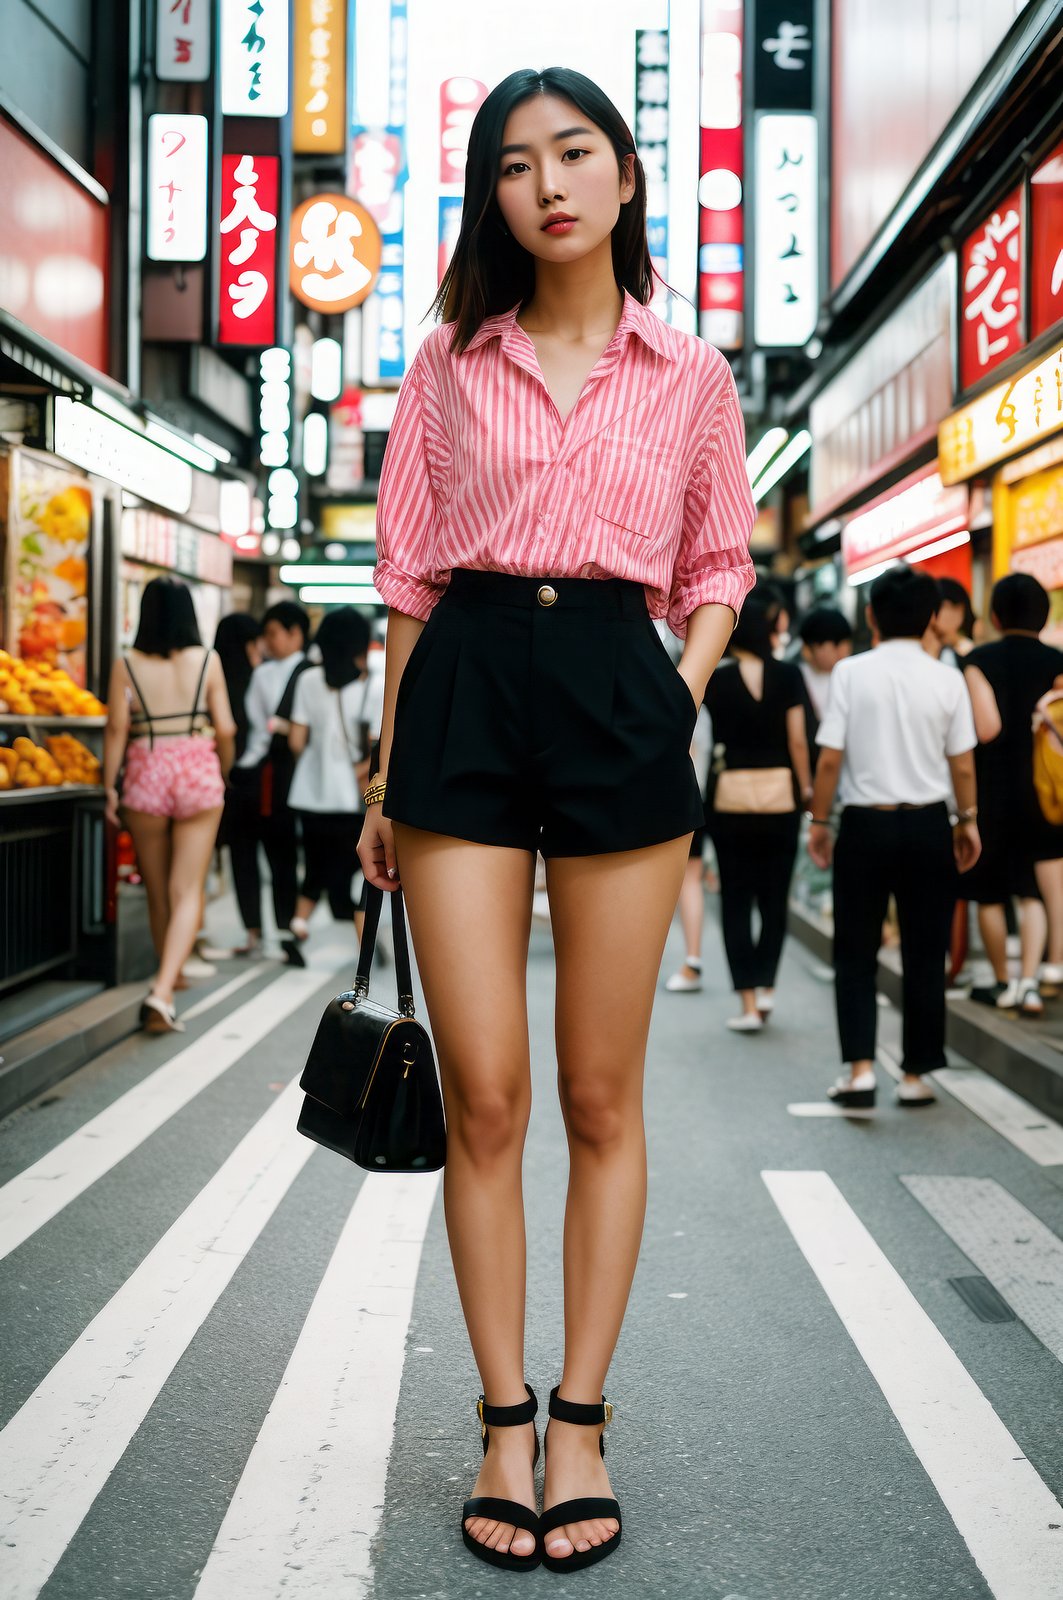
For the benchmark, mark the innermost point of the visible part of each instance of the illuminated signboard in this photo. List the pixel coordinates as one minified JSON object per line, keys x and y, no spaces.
{"x":990,"y":291}
{"x":1004,"y":420}
{"x":786,"y":271}
{"x":247,"y":312}
{"x":182,"y":40}
{"x":89,"y":439}
{"x":651,"y":137}
{"x":1046,"y":236}
{"x":319,"y":77}
{"x":177,"y":188}
{"x":720,"y":230}
{"x":335,"y":252}
{"x":915,"y":512}
{"x":254,"y":58}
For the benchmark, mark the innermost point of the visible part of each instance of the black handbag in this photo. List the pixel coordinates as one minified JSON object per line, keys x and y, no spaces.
{"x":372,"y":1093}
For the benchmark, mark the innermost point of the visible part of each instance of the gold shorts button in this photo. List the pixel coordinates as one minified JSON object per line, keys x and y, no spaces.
{"x":547,"y":595}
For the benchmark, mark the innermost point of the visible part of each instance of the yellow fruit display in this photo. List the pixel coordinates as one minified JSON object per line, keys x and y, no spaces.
{"x":38,"y":689}
{"x":30,"y":766}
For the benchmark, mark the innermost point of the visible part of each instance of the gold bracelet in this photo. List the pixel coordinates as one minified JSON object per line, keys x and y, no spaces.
{"x":375,"y":791}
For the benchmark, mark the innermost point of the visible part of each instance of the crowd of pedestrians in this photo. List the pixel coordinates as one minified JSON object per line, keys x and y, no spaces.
{"x":924,"y":800}
{"x":259,"y":746}
{"x":912,"y":763}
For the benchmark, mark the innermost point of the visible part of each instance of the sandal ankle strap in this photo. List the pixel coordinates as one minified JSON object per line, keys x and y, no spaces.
{"x":508,"y":1416}
{"x":582,"y":1416}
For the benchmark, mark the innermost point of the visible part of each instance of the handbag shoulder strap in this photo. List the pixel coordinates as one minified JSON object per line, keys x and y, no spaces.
{"x":374,"y":899}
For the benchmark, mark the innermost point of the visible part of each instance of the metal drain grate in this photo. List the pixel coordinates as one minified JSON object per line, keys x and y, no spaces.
{"x":983,"y":1299}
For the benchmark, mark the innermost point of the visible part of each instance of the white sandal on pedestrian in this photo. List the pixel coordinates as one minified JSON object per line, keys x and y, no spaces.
{"x":157,"y":1017}
{"x":748,"y":1022}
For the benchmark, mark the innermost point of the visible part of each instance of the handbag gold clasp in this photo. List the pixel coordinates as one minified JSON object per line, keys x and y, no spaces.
{"x":408,"y":1058}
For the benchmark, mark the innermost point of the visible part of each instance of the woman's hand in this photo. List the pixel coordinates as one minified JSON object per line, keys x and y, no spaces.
{"x":110,"y":808}
{"x":376,"y":850}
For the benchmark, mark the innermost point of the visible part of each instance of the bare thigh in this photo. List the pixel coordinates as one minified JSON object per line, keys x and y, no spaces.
{"x":153,"y":842}
{"x":610,"y":916}
{"x":192,"y":848}
{"x":469,"y":909}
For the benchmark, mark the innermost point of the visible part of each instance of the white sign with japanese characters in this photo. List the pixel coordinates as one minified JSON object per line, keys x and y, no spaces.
{"x":786,"y":274}
{"x":177,"y":188}
{"x":254,"y":58}
{"x":182,"y":41}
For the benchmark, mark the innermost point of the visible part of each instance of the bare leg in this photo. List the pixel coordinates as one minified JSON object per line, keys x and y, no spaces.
{"x":993,"y":927}
{"x":1033,"y":929}
{"x":192,"y":843}
{"x":1050,"y":883}
{"x":692,"y":912}
{"x":151,"y":837}
{"x":470,"y":916}
{"x":610,"y":916}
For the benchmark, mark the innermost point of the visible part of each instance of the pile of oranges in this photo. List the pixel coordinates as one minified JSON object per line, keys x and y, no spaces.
{"x":41,"y":690}
{"x":32,"y":766}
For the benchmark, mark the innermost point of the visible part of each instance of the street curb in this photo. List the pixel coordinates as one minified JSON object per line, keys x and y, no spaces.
{"x":38,"y":1059}
{"x":996,"y":1043}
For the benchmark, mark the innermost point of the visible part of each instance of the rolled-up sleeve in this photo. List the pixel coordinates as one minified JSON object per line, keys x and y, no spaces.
{"x":406,"y":575}
{"x":712,"y":564}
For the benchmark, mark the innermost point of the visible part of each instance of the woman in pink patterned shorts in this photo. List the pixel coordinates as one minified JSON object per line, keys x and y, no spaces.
{"x":165,"y":696}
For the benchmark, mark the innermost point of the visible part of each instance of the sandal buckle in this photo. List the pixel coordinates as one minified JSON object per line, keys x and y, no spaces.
{"x":608,"y":1411}
{"x":480,"y":1414}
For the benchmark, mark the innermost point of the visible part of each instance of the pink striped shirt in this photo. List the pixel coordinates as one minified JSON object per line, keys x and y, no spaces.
{"x":644,"y":479}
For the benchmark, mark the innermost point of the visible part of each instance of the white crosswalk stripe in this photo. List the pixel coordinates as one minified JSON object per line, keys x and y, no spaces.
{"x":1008,"y":1517}
{"x":58,"y":1450}
{"x":308,"y":1506}
{"x":39,"y":1193}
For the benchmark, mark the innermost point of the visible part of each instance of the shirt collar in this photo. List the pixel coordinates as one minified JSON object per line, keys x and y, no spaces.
{"x":634,"y":318}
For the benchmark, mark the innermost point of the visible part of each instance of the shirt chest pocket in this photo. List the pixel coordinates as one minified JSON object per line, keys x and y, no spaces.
{"x":637,"y":487}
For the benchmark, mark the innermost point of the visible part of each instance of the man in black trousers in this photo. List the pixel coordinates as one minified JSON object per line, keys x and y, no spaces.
{"x":897,"y":741}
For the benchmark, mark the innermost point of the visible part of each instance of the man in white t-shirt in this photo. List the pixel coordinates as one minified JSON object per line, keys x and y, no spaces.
{"x":897,"y":741}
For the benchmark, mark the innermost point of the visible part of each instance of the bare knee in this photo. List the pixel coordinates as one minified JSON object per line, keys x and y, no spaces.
{"x":596,"y":1113}
{"x":488,"y":1117}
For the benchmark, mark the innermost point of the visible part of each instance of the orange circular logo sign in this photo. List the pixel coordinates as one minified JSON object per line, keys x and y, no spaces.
{"x":334,"y":252}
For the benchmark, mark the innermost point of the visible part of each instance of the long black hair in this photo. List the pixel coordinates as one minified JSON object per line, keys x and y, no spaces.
{"x":489,"y":270}
{"x":755,"y":627}
{"x":342,"y":636}
{"x":167,"y":618}
{"x":235,"y":633}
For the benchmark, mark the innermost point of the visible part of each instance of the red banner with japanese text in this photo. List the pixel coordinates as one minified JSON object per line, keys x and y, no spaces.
{"x":247,"y":308}
{"x":1046,"y":243}
{"x":991,"y":291}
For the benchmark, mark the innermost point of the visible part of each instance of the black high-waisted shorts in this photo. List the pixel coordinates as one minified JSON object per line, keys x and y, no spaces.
{"x":543,"y":714}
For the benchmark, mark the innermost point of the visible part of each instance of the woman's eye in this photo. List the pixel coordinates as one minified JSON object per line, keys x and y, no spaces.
{"x":511,"y":168}
{"x":575,"y":152}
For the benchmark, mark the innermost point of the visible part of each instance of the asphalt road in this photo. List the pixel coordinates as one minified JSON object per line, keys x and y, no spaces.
{"x":235,"y":1366}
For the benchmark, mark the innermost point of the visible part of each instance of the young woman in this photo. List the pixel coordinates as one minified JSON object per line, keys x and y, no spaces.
{"x":757,"y":706}
{"x":333,"y":719}
{"x":562,"y":467}
{"x":164,"y":697}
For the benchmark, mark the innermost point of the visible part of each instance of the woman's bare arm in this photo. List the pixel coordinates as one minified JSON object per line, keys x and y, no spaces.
{"x":221,"y":715}
{"x":987,"y":722}
{"x":116,"y":735}
{"x":709,"y":627}
{"x":797,"y":742}
{"x":298,"y":737}
{"x":403,"y":633}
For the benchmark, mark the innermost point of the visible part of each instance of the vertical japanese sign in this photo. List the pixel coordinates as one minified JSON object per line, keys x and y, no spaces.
{"x":177,"y":188}
{"x":378,"y":173}
{"x":247,"y":312}
{"x":990,"y":291}
{"x":319,"y":77}
{"x":459,"y":101}
{"x":1046,"y":238}
{"x":785,"y":300}
{"x":254,"y":58}
{"x":182,"y":40}
{"x":783,"y":55}
{"x":651,"y":135}
{"x":721,"y":284}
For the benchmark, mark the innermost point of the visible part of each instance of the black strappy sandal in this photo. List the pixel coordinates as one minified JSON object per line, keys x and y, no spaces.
{"x":586,"y":1509}
{"x":487,"y":1505}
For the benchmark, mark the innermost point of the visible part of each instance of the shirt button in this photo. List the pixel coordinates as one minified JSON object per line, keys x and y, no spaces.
{"x":547,"y":595}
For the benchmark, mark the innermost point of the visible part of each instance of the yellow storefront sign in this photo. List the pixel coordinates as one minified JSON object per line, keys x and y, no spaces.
{"x":1005,"y":419}
{"x":351,"y":522}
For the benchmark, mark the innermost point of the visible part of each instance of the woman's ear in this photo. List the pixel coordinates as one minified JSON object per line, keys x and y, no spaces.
{"x":627,"y":179}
